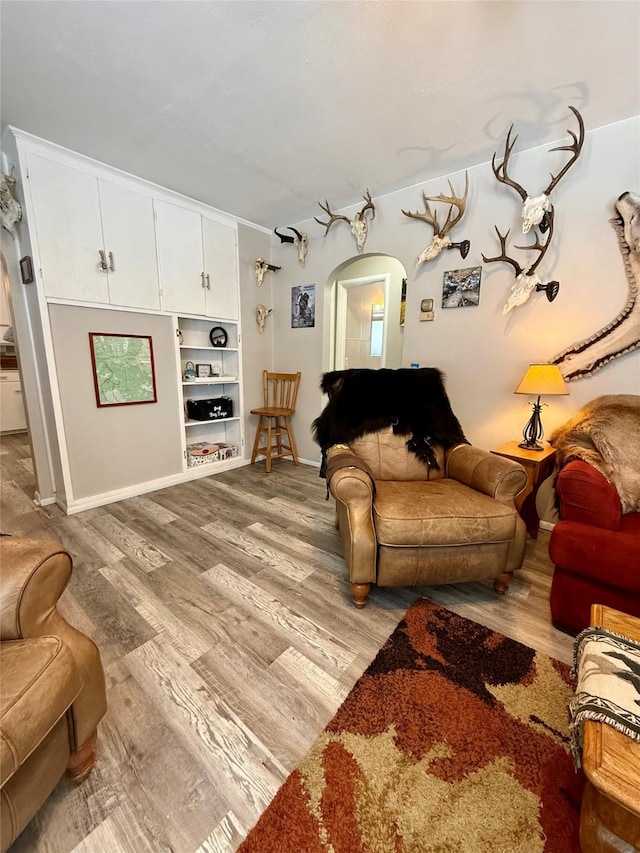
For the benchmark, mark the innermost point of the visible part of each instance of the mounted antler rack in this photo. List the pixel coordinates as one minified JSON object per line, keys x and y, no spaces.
{"x":527,"y":279}
{"x":440,"y":239}
{"x":300,"y":241}
{"x":537,"y":211}
{"x":262,"y":267}
{"x":359,"y":225}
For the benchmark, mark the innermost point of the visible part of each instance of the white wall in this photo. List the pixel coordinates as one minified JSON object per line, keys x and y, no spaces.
{"x":483,"y":353}
{"x":257,"y":348}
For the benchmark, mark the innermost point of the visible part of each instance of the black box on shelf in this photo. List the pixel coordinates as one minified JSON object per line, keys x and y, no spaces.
{"x":210,"y":410}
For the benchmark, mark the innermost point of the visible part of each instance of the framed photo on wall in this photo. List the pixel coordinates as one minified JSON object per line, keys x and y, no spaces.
{"x":123,"y":369}
{"x":303,"y":306}
{"x":461,"y":288}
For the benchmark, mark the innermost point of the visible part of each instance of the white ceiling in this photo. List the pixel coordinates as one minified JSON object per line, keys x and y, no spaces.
{"x":263,"y":107}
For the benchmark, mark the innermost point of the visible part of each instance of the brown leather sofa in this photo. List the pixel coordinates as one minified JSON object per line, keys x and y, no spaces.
{"x":52,"y":690}
{"x":404,"y":524}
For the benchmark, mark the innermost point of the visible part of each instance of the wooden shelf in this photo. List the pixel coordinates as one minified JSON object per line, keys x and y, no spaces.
{"x":210,"y":348}
{"x":211,"y":421}
{"x":214,"y":380}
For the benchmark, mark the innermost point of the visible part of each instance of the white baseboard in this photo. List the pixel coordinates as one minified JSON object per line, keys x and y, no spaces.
{"x":38,"y":501}
{"x":73,"y":506}
{"x":312,"y":462}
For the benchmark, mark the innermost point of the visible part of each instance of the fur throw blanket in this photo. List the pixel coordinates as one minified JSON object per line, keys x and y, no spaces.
{"x":412,"y":401}
{"x":606,"y":434}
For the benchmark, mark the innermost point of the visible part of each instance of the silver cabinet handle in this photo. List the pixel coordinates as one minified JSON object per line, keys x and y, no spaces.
{"x":112,"y":265}
{"x":103,"y":260}
{"x":208,"y":282}
{"x":202,"y":277}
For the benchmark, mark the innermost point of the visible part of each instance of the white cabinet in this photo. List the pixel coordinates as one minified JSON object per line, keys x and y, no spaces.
{"x":221,"y":269}
{"x":198,"y":263}
{"x":96,"y":239}
{"x":12,"y":416}
{"x":225,"y":433}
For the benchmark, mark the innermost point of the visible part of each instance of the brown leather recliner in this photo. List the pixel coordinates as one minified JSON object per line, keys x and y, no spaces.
{"x":404,"y":524}
{"x":52,"y":690}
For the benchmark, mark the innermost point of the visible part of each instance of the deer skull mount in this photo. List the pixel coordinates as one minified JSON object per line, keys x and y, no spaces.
{"x":262,"y":312}
{"x":300,"y":241}
{"x":527,"y":278}
{"x":359,"y":224}
{"x":10,"y":208}
{"x":537,"y":212}
{"x":441,"y":240}
{"x":261,"y":268}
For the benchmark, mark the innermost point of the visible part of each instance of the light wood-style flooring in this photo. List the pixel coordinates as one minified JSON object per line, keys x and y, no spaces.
{"x":221,"y":608}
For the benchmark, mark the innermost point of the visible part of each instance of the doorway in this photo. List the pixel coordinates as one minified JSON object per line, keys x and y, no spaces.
{"x":361,"y":322}
{"x":365,"y":327}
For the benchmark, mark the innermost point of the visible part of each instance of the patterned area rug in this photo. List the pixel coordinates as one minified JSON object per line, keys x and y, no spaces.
{"x":455,"y":740}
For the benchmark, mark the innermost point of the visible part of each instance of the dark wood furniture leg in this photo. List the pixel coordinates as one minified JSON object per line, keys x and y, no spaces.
{"x":81,"y":762}
{"x":501,"y":583}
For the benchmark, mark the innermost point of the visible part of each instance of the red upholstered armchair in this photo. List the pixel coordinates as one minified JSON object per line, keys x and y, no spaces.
{"x":595,"y":549}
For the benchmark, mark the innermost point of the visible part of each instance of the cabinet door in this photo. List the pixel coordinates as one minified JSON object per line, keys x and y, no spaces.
{"x":220,"y":265}
{"x":180,"y":255}
{"x":12,"y":416}
{"x":128,"y":227}
{"x":69,"y":230}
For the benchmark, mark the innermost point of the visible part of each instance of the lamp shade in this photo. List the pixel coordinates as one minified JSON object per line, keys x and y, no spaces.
{"x":542,"y":379}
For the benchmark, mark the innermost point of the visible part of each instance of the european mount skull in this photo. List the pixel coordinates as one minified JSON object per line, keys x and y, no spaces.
{"x":441,"y":240}
{"x":537,"y":212}
{"x":262,"y":312}
{"x":300,"y":241}
{"x":536,"y":208}
{"x":359,"y":224}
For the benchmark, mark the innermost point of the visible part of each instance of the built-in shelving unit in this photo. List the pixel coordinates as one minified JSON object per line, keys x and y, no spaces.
{"x":224,"y":433}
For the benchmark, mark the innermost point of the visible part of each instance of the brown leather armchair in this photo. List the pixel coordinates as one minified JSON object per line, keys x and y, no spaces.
{"x":403,"y":523}
{"x":52,"y":690}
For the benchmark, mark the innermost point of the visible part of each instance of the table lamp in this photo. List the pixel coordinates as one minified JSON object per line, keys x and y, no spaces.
{"x":539,"y":379}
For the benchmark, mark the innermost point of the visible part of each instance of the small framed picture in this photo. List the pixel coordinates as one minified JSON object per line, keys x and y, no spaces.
{"x":203,"y":371}
{"x":26,"y":270}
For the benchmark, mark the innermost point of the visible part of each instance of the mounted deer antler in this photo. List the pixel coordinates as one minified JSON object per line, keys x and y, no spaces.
{"x":527,"y":279}
{"x":575,"y":148}
{"x":359,"y":225}
{"x":534,"y":210}
{"x":440,"y":239}
{"x":301,"y":241}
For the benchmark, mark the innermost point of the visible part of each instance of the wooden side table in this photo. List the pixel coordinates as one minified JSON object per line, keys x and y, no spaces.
{"x":610,"y":815}
{"x":538,"y":464}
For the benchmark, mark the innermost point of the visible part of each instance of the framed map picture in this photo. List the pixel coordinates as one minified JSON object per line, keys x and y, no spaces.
{"x":123,"y":371}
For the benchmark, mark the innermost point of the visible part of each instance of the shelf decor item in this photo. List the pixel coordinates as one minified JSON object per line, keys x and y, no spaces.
{"x":210,"y":410}
{"x":203,"y":371}
{"x":123,"y":370}
{"x":201,"y":453}
{"x":539,"y":379}
{"x":218,"y":336}
{"x":189,"y":372}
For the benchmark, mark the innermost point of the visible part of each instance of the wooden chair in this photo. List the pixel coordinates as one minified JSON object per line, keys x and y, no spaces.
{"x":280,"y":395}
